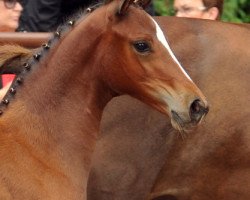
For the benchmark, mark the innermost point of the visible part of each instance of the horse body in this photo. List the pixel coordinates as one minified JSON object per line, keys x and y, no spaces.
{"x":52,"y":112}
{"x":210,"y":162}
{"x":213,"y":162}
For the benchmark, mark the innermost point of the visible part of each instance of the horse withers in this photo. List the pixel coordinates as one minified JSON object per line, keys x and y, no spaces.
{"x":51,"y":114}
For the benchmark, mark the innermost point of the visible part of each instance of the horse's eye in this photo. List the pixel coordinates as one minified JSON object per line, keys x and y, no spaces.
{"x":142,"y":46}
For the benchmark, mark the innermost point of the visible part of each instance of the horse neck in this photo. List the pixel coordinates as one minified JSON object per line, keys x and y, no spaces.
{"x":61,"y":102}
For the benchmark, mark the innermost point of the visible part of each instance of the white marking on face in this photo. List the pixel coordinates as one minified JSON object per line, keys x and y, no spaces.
{"x":163,"y":40}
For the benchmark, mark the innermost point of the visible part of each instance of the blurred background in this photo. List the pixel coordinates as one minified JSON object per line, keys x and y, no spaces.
{"x":234,"y":10}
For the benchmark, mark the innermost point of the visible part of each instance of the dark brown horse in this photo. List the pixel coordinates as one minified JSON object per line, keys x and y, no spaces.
{"x":51,"y":114}
{"x":210,"y":163}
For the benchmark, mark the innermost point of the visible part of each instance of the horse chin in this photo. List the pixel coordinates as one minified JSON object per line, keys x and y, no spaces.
{"x":181,"y":125}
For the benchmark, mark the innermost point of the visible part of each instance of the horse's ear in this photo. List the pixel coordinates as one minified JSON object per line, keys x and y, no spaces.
{"x":124,"y":5}
{"x":142,"y":3}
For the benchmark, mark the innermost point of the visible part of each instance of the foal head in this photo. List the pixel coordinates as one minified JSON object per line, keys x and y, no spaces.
{"x":124,"y":49}
{"x":138,"y":61}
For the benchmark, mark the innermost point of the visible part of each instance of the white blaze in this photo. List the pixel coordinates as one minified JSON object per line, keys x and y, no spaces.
{"x":163,"y":40}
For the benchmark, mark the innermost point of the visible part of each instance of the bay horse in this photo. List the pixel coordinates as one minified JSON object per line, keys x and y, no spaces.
{"x":210,"y":163}
{"x":51,"y":114}
{"x":214,"y":162}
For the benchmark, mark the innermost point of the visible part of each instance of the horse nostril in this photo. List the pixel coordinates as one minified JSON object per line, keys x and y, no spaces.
{"x":195,"y":106}
{"x":197,"y":110}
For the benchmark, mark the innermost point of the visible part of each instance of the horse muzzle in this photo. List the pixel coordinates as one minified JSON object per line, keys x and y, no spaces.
{"x":197,"y":111}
